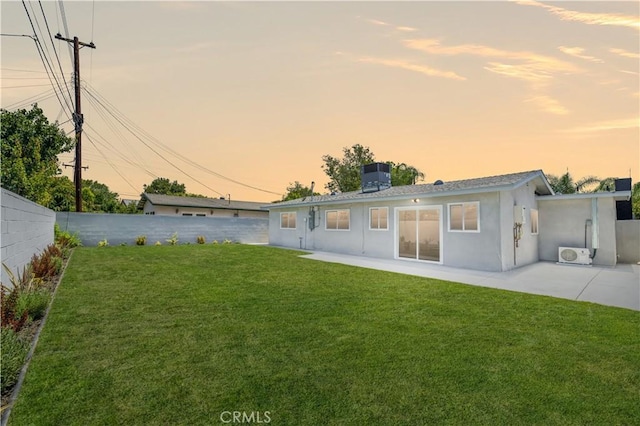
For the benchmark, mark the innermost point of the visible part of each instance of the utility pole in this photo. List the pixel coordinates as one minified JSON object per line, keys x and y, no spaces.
{"x":78,"y":119}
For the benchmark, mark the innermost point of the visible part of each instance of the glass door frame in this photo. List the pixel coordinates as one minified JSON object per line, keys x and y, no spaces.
{"x":396,"y":237}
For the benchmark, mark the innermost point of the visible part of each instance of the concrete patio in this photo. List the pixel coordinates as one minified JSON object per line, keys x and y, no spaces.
{"x":619,"y":286}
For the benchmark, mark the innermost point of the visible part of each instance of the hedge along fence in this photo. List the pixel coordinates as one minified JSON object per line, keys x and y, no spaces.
{"x":117,"y":229}
{"x":27,"y":229}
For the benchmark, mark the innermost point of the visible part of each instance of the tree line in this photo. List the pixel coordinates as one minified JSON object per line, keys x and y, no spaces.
{"x":30,"y":168}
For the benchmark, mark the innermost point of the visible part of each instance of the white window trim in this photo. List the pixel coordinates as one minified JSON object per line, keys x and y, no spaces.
{"x":537,"y":221}
{"x":289,"y":228}
{"x":378,"y":229}
{"x":326,"y":222}
{"x":462,"y":203}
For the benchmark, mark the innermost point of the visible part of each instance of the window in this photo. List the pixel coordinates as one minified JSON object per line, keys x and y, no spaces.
{"x":337,"y":219}
{"x":288,"y":220}
{"x":464,"y":217}
{"x":534,"y":221}
{"x":378,"y":217}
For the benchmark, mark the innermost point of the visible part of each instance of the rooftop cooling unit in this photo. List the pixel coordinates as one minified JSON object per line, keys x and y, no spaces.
{"x":375,"y":177}
{"x":575,"y":256}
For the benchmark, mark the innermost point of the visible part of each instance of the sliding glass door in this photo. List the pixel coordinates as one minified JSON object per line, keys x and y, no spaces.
{"x":419,"y":233}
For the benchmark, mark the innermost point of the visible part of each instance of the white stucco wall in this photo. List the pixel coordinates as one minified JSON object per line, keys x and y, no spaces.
{"x":526,"y":251}
{"x":628,"y":241}
{"x":562,"y":224}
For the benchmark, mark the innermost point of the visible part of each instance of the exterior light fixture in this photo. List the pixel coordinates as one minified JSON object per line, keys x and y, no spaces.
{"x":416,"y":200}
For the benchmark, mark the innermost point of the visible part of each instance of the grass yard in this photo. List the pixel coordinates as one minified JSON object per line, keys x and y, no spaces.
{"x":186,"y":335}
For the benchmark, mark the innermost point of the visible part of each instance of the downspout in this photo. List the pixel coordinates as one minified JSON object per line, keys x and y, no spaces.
{"x":595,"y":243}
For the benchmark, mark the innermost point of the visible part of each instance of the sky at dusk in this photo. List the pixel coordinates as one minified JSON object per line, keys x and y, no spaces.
{"x":244,"y":98}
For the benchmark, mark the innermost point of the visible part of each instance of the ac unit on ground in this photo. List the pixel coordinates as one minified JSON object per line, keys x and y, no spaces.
{"x":572,"y":255}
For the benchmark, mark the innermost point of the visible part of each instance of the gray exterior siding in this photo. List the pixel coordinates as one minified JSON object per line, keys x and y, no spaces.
{"x":628,"y":241}
{"x":484,"y":250}
{"x":562,"y":224}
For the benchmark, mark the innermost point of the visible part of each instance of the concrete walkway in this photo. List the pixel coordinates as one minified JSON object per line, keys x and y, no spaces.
{"x":619,"y":286}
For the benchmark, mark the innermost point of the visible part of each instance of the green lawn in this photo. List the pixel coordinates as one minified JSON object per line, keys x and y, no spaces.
{"x":181,"y":335}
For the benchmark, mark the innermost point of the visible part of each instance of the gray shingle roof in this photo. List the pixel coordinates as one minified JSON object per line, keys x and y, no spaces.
{"x":209,"y":203}
{"x":465,"y":186}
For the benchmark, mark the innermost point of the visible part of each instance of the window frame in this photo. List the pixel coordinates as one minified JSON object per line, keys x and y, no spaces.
{"x":463,"y":204}
{"x":370,"y":218}
{"x":295,"y":220}
{"x":337,"y":211}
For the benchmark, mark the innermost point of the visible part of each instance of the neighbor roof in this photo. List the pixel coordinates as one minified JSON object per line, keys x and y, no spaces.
{"x":458,"y":187}
{"x":209,"y":203}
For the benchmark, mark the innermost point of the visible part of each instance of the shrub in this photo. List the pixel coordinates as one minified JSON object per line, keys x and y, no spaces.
{"x":14,"y":353}
{"x":158,"y":243}
{"x":103,"y":243}
{"x":65,"y":239}
{"x":25,"y":282}
{"x":215,"y":242}
{"x":141,"y":240}
{"x":48,"y":263}
{"x":34,"y":303}
{"x":9,"y":309}
{"x":200,"y":239}
{"x":227,"y":241}
{"x":173,"y":240}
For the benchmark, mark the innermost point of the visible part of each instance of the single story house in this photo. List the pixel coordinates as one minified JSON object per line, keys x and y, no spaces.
{"x":171,"y":205}
{"x":494,"y":223}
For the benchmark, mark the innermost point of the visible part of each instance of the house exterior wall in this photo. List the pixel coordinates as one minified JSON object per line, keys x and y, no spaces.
{"x":562,"y":224}
{"x":209,"y":212}
{"x":483,"y":250}
{"x":628,"y":241}
{"x":526,"y":251}
{"x":27,"y":229}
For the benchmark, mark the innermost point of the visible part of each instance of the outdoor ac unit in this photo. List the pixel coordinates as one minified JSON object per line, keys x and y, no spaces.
{"x":576,"y":256}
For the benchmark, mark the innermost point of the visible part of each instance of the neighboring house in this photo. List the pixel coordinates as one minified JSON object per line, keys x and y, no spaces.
{"x":170,"y":205}
{"x":493,"y":223}
{"x":127,"y":202}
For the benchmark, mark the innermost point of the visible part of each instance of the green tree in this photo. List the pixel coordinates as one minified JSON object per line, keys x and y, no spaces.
{"x":297,"y":190}
{"x":97,"y":197}
{"x":566,"y":185}
{"x":63,"y":194}
{"x":344,"y":173}
{"x":635,"y":200}
{"x":30,"y":148}
{"x":165,"y":187}
{"x":403,"y":174}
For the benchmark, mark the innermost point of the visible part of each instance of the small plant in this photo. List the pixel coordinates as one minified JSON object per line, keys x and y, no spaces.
{"x":14,"y":353}
{"x":65,"y":239}
{"x":34,"y":303}
{"x":173,"y":240}
{"x":227,"y":241}
{"x":215,"y":242}
{"x":9,"y":317}
{"x":141,"y":240}
{"x":200,"y":239}
{"x":48,"y":263}
{"x":122,"y":244}
{"x":103,"y":243}
{"x":25,"y":282}
{"x":158,"y":243}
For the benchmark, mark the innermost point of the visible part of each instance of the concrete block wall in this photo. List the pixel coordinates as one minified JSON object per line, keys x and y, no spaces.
{"x":121,"y":228}
{"x":27,"y":229}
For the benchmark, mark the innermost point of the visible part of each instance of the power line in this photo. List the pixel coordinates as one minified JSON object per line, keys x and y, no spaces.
{"x":173,"y":152}
{"x":45,"y":62}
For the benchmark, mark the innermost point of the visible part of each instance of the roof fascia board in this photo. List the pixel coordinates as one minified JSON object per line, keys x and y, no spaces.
{"x":394,"y":198}
{"x":620,"y":195}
